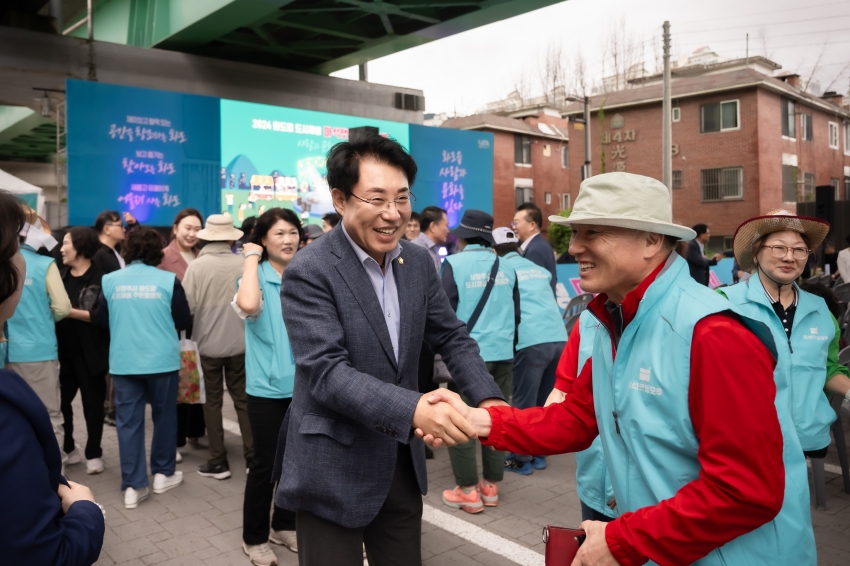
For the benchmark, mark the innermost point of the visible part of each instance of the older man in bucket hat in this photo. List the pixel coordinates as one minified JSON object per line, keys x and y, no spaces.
{"x":209,"y":282}
{"x":682,"y":394}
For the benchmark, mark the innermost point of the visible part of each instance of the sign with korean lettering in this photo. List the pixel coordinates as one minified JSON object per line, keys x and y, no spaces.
{"x":455,"y":170}
{"x":273,"y":156}
{"x":147,"y":152}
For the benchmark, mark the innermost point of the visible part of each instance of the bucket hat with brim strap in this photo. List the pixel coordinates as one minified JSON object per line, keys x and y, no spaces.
{"x":220,"y":228}
{"x":626,"y":200}
{"x":777,"y":220}
{"x":475,"y":224}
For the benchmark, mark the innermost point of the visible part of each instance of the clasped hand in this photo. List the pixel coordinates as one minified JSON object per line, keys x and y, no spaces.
{"x":442,"y":418}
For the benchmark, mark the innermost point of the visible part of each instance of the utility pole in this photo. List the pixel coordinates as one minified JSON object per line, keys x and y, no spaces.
{"x":586,"y":172}
{"x":667,"y":119}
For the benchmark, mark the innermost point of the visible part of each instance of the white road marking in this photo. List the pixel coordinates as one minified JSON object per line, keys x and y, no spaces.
{"x":476,"y":535}
{"x":831,"y":468}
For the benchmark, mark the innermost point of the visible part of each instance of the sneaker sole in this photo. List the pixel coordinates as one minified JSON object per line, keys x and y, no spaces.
{"x":218,"y":476}
{"x":471,"y":508}
{"x":490,"y":501}
{"x":159,"y":490}
{"x":93,"y":472}
{"x":245,"y":550}
{"x":520,"y":472}
{"x":136,"y":504}
{"x":283,"y":544}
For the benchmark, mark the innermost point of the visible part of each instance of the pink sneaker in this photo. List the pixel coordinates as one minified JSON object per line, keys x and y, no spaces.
{"x":489,"y":493}
{"x":459,"y":499}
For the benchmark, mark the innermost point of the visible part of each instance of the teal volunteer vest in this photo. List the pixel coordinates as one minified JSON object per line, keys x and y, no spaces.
{"x":593,"y":485}
{"x":144,"y":340}
{"x":269,"y":364}
{"x":541,"y":318}
{"x":494,"y":330}
{"x":655,"y":452}
{"x":32,"y":330}
{"x":802,"y":358}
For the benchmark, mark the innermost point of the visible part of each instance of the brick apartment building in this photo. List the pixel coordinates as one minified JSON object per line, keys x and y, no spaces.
{"x":530,"y":159}
{"x":744,"y":142}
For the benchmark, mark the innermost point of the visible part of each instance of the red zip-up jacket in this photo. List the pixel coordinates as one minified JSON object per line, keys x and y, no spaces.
{"x":731,"y":401}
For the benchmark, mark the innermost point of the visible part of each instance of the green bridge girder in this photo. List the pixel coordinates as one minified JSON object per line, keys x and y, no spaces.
{"x":320,"y":36}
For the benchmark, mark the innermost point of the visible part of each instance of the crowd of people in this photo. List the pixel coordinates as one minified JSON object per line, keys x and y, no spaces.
{"x":351,"y":349}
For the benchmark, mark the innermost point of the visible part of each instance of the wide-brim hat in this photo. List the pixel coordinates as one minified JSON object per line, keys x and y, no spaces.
{"x":626,"y":200}
{"x":475,"y":224}
{"x":778,"y":220}
{"x":220,"y":228}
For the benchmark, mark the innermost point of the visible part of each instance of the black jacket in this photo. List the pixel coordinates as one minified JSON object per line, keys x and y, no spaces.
{"x":84,"y":339}
{"x":698,"y":263}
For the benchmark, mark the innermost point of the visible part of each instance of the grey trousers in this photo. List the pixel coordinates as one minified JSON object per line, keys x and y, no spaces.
{"x":43,"y":377}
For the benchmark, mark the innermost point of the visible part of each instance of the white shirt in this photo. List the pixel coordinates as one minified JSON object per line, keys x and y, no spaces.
{"x":524,"y":245}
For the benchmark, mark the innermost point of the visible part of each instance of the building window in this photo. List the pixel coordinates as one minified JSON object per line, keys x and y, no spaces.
{"x":523,"y":195}
{"x":835,"y":184}
{"x":522,"y":150}
{"x":788,"y":129}
{"x":566,"y":200}
{"x":789,"y":183}
{"x":847,"y":138}
{"x":565,"y":156}
{"x":677,"y":179}
{"x":806,"y":127}
{"x":833,"y":135}
{"x":847,"y":187}
{"x":547,"y":198}
{"x":723,"y":183}
{"x":719,"y":116}
{"x":808,"y":194}
{"x":677,"y":114}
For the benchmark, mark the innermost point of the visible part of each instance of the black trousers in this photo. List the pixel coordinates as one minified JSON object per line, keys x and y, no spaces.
{"x":266,"y":416}
{"x":190,"y":422}
{"x":393,"y":538}
{"x":74,"y":375}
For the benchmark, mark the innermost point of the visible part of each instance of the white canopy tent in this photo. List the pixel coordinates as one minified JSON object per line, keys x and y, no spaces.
{"x":30,"y":194}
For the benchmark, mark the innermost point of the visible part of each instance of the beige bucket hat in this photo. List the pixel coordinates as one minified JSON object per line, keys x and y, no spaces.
{"x":778,"y":220}
{"x":626,"y":200}
{"x":220,"y":228}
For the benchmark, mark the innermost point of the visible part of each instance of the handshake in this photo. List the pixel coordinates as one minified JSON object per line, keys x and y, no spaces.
{"x":442,"y":418}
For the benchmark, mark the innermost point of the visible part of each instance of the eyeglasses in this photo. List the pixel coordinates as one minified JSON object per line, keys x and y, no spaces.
{"x":797,"y":253}
{"x":403,"y":202}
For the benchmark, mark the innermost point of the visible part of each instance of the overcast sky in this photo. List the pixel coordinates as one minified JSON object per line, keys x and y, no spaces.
{"x":460,"y":74}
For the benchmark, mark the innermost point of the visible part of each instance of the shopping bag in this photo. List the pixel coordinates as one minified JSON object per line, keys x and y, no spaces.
{"x":190,"y":388}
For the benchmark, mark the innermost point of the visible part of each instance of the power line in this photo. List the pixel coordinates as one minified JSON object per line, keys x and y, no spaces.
{"x":783,"y":35}
{"x":749,"y":26}
{"x":726,"y":18}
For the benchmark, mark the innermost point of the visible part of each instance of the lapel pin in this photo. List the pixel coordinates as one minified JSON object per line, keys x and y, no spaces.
{"x":401,"y":261}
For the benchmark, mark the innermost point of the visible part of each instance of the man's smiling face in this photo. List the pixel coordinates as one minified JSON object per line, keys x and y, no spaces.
{"x":377,"y":230}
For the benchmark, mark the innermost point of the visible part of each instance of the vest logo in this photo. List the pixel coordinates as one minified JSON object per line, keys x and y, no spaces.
{"x":644,"y":388}
{"x":813,"y":335}
{"x":28,"y":281}
{"x":644,"y":374}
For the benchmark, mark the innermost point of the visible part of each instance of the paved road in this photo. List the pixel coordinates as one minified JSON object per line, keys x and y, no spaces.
{"x":200,"y":522}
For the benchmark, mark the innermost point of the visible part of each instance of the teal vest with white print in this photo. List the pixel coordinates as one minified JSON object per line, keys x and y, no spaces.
{"x":32,"y":330}
{"x":654,"y":452}
{"x":802,"y":358}
{"x":541,"y":321}
{"x":143,"y":338}
{"x":269,"y":364}
{"x":593,"y":484}
{"x":494,"y":330}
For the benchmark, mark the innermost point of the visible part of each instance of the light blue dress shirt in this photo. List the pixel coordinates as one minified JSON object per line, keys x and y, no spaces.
{"x":384,"y":285}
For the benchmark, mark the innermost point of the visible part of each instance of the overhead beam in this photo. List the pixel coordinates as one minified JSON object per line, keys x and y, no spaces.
{"x":378,"y":7}
{"x":491,"y":11}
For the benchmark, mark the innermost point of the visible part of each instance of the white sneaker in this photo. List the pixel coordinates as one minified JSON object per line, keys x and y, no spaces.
{"x":94,"y":466}
{"x":260,"y":554}
{"x":162,"y":483}
{"x":132,"y":498}
{"x":179,"y":457}
{"x":285,"y":538}
{"x":73,"y":457}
